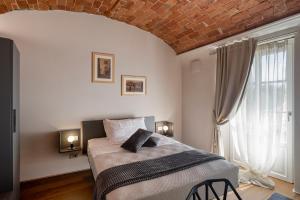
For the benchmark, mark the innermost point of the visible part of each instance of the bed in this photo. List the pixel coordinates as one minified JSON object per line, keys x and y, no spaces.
{"x":103,"y":155}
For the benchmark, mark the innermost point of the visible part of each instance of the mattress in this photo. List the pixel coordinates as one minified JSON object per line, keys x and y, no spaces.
{"x":103,"y":155}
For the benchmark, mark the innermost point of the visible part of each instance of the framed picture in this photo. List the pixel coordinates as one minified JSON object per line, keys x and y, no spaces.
{"x":133,"y":85}
{"x":103,"y":67}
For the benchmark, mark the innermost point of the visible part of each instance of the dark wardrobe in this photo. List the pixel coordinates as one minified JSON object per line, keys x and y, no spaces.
{"x":9,"y":120}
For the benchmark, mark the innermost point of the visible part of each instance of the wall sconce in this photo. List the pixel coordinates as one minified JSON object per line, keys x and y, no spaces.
{"x":164,"y":128}
{"x":69,"y":141}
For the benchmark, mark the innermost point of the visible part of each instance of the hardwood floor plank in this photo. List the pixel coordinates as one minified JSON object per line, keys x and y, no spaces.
{"x":72,"y":186}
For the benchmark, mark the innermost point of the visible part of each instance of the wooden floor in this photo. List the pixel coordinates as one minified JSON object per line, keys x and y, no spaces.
{"x":251,"y":192}
{"x":79,"y":186}
{"x":74,"y":186}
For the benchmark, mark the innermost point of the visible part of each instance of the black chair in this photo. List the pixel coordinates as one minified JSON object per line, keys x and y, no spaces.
{"x":209,"y":184}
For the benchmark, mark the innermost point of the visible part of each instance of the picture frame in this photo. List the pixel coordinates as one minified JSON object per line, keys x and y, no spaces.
{"x":133,"y":85}
{"x":103,"y":67}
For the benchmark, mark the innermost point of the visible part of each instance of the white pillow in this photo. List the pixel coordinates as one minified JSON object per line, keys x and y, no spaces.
{"x":118,"y":131}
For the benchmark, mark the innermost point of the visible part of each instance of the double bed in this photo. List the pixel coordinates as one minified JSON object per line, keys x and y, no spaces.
{"x":103,"y":155}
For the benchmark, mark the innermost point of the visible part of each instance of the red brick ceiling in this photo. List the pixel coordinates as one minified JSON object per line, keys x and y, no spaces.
{"x":183,"y":24}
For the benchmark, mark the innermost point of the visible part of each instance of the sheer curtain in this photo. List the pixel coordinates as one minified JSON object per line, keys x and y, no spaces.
{"x":261,"y":119}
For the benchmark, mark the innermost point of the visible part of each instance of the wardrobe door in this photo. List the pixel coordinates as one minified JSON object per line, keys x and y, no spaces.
{"x":6,"y":141}
{"x":16,"y":122}
{"x":9,"y":120}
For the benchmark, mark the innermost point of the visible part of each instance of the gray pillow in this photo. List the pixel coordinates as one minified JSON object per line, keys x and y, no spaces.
{"x":151,"y":142}
{"x":136,"y":141}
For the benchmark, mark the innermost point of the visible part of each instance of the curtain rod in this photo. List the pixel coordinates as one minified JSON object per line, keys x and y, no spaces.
{"x":260,"y":42}
{"x":277,"y":38}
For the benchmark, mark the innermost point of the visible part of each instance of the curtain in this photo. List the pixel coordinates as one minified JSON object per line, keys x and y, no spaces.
{"x":261,"y":118}
{"x":233,"y":68}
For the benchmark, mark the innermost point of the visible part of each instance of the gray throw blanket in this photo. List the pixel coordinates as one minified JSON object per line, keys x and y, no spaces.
{"x":115,"y":177}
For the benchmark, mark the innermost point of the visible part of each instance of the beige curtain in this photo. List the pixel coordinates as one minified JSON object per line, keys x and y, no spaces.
{"x":233,"y":68}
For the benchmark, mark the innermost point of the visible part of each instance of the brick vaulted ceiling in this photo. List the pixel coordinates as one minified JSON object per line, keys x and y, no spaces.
{"x":183,"y":24}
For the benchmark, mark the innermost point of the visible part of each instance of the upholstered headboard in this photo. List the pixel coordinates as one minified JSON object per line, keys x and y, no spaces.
{"x":95,"y":129}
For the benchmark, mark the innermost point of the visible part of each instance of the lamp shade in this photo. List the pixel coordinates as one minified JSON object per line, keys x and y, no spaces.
{"x":69,"y":140}
{"x":164,"y":128}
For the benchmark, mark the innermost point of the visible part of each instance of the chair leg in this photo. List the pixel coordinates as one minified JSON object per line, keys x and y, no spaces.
{"x":198,"y":196}
{"x":206,"y":192}
{"x":213,"y":190}
{"x":225,"y":191}
{"x":233,"y":189}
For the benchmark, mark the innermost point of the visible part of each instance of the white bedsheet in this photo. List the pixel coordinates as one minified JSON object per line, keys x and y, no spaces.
{"x":103,"y":155}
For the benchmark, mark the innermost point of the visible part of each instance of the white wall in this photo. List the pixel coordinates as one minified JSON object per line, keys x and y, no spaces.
{"x":198,"y":90}
{"x":297,"y":114}
{"x":56,"y":88}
